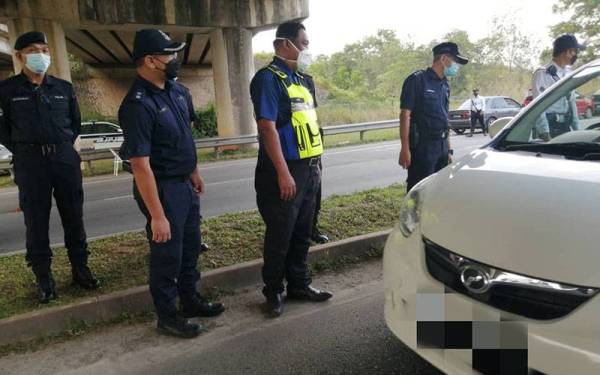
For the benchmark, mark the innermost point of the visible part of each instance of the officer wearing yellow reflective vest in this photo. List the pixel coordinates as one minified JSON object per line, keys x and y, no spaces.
{"x":287,"y":174}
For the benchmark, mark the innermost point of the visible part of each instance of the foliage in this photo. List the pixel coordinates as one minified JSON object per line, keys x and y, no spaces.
{"x":584,"y":21}
{"x":372,"y":70}
{"x":205,"y":125}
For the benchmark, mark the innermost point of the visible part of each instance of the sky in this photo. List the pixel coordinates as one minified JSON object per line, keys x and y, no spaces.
{"x":335,"y":23}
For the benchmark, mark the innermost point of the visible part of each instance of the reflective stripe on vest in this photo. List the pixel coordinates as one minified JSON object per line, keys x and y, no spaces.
{"x":304,"y":117}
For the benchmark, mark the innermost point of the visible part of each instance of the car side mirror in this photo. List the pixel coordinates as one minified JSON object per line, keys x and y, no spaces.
{"x":497,"y":126}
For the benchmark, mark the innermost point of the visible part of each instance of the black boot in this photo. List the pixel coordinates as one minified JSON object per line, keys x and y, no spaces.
{"x":274,"y":303}
{"x":178,"y":326}
{"x":82,"y":276}
{"x":200,"y":306}
{"x":45,"y":283}
{"x":318,"y":237}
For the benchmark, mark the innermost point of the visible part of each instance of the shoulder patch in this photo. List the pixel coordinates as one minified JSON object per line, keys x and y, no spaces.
{"x":138,"y":95}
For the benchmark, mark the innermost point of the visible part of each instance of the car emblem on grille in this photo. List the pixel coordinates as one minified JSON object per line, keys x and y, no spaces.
{"x":475,"y":279}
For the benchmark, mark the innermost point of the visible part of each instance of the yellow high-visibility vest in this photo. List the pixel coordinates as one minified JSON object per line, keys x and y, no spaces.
{"x":304,"y":117}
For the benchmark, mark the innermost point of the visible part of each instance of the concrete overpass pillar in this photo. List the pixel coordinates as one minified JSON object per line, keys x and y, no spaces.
{"x":56,"y":41}
{"x":233,"y":67}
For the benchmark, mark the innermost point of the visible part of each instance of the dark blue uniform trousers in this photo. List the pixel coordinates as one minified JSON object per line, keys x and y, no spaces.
{"x":173,"y":264}
{"x":38,"y":177}
{"x":289,"y":225}
{"x":428,"y":157}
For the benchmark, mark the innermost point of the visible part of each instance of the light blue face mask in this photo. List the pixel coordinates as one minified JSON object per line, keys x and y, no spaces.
{"x":37,"y":62}
{"x":452,"y":70}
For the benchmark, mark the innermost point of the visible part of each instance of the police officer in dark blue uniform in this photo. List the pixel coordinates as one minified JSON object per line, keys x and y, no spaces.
{"x":287,"y":173}
{"x":424,"y":128}
{"x":39,"y":123}
{"x":156,"y":118}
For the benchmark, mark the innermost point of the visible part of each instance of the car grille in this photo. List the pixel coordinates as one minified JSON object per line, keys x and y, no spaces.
{"x":505,"y":290}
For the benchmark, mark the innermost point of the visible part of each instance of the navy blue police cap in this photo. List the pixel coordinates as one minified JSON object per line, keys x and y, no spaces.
{"x":30,"y":37}
{"x":154,"y":42}
{"x":565,"y":42}
{"x":450,"y":49}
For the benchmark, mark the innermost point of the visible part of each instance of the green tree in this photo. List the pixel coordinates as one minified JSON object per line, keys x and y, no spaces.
{"x":584,"y":21}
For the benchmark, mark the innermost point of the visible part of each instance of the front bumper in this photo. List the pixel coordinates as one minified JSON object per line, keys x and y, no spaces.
{"x":415,"y":302}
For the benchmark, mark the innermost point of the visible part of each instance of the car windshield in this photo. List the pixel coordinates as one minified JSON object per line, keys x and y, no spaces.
{"x":564,"y":122}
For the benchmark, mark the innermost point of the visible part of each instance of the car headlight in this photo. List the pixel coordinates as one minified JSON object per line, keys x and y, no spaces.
{"x":410,"y":210}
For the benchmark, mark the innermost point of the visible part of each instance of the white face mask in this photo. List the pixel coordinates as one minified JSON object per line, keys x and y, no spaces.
{"x":37,"y":62}
{"x":305,"y":58}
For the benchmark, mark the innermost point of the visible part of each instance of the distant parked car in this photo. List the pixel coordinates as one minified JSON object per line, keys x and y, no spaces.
{"x":100,"y":135}
{"x":5,"y":158}
{"x":495,"y":107}
{"x":585,"y":105}
{"x":596,"y":100}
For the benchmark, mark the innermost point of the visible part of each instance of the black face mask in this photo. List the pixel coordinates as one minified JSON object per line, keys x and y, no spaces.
{"x":171,"y":69}
{"x":573,"y":59}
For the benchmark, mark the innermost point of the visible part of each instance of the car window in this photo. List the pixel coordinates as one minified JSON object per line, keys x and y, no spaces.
{"x":556,"y":119}
{"x":510,"y":103}
{"x":106,"y":128}
{"x":87,"y":128}
{"x":494,"y":103}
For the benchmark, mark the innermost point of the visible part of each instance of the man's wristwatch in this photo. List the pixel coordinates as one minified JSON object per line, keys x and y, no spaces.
{"x":451,"y":152}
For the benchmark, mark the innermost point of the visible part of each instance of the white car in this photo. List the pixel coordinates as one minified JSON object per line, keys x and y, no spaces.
{"x":99,"y":135}
{"x":494,"y":266}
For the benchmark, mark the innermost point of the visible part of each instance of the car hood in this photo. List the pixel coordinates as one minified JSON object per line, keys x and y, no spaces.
{"x":535,"y":215}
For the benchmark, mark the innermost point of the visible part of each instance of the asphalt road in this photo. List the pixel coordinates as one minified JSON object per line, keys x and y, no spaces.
{"x":346,"y":335}
{"x":109,"y":206}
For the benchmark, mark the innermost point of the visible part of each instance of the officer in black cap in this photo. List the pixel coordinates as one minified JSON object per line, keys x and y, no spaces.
{"x":560,"y":117}
{"x":39,"y":123}
{"x":424,"y":128}
{"x":156,"y":117}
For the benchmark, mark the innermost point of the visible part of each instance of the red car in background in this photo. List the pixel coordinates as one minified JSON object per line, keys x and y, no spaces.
{"x":585,"y":105}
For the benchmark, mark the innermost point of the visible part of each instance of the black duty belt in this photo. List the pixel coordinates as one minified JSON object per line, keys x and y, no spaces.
{"x":559,"y":117}
{"x":38,"y":148}
{"x":308,"y":161}
{"x":183,"y":178}
{"x":434,"y":134}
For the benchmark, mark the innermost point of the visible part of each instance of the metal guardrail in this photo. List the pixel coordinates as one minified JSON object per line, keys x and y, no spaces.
{"x":92,"y":155}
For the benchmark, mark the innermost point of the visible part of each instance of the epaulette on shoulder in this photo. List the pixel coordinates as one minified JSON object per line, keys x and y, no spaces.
{"x":138,"y":95}
{"x":418,"y":72}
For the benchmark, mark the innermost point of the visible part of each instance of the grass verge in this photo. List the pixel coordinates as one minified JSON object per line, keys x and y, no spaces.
{"x":122,"y":261}
{"x":79,"y":329}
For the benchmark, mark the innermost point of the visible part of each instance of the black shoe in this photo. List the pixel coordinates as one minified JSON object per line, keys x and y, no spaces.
{"x":274,"y":304}
{"x":82,"y":276}
{"x":46,"y":287}
{"x":179,"y":327}
{"x":200,"y":306}
{"x":204,"y":247}
{"x":309,"y":294}
{"x":318,"y":237}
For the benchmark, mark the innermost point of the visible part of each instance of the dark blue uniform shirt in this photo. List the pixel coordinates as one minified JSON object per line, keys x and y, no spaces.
{"x":32,"y":114}
{"x":272,"y":102}
{"x":427,"y":97}
{"x":156,"y":123}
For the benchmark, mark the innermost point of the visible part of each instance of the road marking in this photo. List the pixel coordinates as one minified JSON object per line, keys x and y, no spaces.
{"x":230,"y":181}
{"x":119,"y":197}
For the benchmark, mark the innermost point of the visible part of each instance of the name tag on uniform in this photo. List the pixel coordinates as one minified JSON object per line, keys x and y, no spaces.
{"x":59,"y":97}
{"x":20,"y":98}
{"x":163,"y":109}
{"x":431,"y":91}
